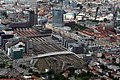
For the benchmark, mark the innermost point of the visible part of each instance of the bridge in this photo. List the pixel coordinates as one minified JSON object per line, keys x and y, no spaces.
{"x":54,"y":54}
{"x":48,"y":55}
{"x":58,"y":61}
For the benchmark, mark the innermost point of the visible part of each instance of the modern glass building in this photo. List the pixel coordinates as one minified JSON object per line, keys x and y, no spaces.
{"x":57,"y":17}
{"x":16,"y":53}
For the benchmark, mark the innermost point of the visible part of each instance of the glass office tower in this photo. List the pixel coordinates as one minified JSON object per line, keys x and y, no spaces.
{"x":57,"y":17}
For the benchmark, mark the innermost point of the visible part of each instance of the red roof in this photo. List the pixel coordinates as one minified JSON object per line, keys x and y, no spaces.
{"x":8,"y":79}
{"x":102,"y":33}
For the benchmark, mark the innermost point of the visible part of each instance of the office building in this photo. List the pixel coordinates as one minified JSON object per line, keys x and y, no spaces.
{"x":16,"y":53}
{"x":32,"y":18}
{"x":57,"y":17}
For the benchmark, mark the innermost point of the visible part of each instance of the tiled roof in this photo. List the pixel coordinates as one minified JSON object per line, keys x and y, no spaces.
{"x":100,"y":33}
{"x":8,"y":79}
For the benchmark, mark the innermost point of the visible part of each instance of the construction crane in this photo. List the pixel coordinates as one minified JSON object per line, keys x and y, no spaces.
{"x":96,"y":12}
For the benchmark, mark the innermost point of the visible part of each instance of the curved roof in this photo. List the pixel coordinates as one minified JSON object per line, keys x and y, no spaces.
{"x":54,"y":53}
{"x":48,"y":54}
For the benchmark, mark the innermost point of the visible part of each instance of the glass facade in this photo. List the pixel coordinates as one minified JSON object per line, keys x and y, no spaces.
{"x":58,"y":17}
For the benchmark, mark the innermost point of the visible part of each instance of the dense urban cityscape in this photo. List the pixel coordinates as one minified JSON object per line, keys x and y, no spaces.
{"x":59,"y":39}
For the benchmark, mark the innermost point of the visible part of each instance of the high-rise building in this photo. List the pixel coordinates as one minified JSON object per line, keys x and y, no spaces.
{"x":117,"y":19}
{"x":32,"y":18}
{"x":57,"y":17}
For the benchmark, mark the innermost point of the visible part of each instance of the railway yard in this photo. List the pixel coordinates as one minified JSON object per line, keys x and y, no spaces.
{"x":44,"y":45}
{"x":41,"y":45}
{"x":56,"y":62}
{"x":59,"y":62}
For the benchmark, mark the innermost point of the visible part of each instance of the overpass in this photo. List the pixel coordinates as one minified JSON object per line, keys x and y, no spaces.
{"x":48,"y":55}
{"x":54,"y":54}
{"x":58,"y":61}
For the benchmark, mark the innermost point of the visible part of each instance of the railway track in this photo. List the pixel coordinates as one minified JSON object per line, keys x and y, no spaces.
{"x":42,"y":44}
{"x":60,"y":62}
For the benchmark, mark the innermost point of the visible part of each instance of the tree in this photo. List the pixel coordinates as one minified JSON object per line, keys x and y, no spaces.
{"x":21,"y":73}
{"x":80,"y":6}
{"x":103,"y":67}
{"x":10,"y":66}
{"x":36,"y":74}
{"x":115,"y":78}
{"x":113,"y":59}
{"x":60,"y":77}
{"x":4,"y":14}
{"x":51,"y":71}
{"x":71,"y":70}
{"x":76,"y":28}
{"x":20,"y":65}
{"x":105,"y":20}
{"x":30,"y":71}
{"x":89,"y":73}
{"x":11,"y":77}
{"x":2,"y":65}
{"x":103,"y":78}
{"x":24,"y":67}
{"x":103,"y":56}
